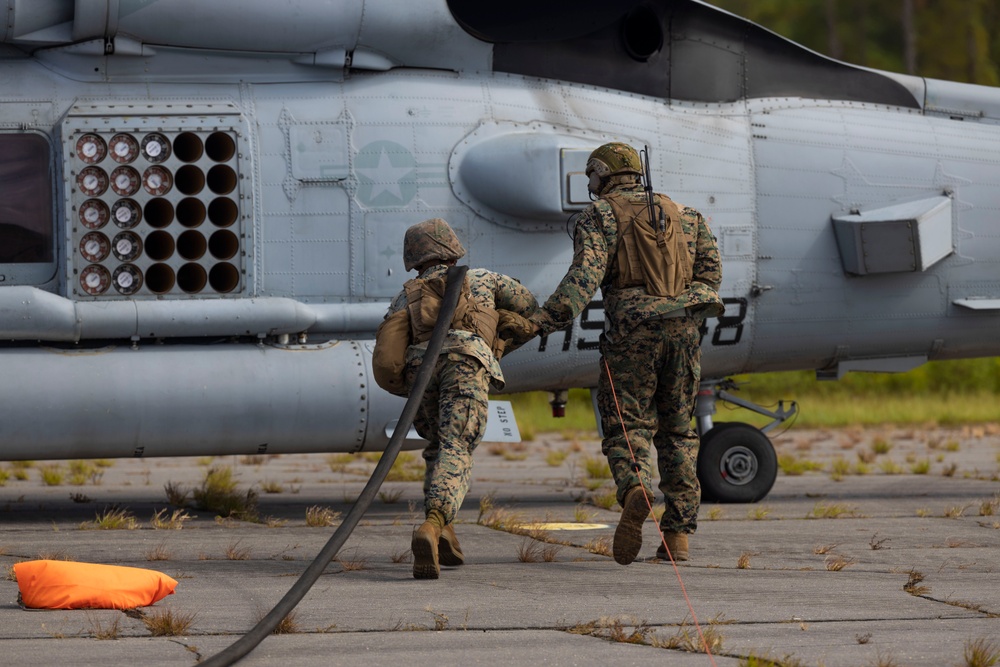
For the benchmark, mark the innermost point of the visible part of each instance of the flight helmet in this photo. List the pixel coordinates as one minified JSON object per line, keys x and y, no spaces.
{"x":428,"y":240}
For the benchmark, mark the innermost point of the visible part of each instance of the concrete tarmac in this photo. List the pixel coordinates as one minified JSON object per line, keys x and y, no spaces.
{"x":885,"y":550}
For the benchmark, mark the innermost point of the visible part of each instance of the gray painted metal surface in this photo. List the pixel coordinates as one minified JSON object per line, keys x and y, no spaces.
{"x":253,"y":184}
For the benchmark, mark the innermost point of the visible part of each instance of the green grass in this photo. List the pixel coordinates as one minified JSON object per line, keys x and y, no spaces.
{"x":941,"y":393}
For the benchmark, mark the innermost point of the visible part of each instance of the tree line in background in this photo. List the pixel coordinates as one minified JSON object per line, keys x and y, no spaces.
{"x":938,"y":39}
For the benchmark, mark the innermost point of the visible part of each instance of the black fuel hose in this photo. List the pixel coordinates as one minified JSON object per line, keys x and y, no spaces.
{"x":248,"y":642}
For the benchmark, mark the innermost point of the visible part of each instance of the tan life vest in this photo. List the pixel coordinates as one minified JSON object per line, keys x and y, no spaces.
{"x":656,"y":257}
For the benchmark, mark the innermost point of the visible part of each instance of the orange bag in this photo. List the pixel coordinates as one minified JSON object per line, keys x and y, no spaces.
{"x":58,"y":584}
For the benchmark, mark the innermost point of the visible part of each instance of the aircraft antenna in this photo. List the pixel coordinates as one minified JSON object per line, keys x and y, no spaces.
{"x":648,"y":187}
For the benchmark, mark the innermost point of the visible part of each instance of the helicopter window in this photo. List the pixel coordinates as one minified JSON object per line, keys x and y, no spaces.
{"x":25,"y":199}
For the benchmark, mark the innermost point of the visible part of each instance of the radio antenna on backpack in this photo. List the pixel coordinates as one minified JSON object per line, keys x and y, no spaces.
{"x":648,"y":187}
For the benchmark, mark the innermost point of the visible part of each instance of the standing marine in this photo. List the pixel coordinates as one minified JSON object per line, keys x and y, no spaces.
{"x":453,"y":411}
{"x":658,"y":268}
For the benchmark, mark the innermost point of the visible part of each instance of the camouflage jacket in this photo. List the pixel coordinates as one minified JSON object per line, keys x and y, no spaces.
{"x":594,"y":243}
{"x":490,"y":290}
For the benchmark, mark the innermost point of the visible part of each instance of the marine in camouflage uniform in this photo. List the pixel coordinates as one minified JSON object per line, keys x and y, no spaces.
{"x":453,"y":411}
{"x":651,"y":348}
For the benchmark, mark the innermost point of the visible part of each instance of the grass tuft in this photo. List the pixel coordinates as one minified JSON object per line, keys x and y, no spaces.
{"x":981,"y":652}
{"x":218,"y":494}
{"x":113,"y":518}
{"x":168,"y":623}
{"x":173,"y":522}
{"x":320,"y":517}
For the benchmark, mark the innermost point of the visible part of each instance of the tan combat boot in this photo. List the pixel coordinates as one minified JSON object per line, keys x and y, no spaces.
{"x":425,"y":551}
{"x":678,"y":544}
{"x":448,"y":548}
{"x":628,"y":535}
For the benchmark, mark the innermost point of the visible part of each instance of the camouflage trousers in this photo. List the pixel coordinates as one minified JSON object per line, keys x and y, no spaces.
{"x":452,"y":418}
{"x":656,"y":372}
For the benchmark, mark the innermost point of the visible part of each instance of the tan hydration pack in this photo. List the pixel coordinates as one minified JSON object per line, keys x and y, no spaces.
{"x":655,"y":255}
{"x":415,"y":323}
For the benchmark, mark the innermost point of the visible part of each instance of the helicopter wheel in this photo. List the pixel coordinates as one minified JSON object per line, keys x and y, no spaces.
{"x":736,"y":464}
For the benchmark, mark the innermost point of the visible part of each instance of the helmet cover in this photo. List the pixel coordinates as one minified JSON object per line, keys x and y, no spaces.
{"x":429,"y":240}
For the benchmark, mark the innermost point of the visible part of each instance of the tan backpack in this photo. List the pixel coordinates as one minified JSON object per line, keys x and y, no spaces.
{"x":648,"y":255}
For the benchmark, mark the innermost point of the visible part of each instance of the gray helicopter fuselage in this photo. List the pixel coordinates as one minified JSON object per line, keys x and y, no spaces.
{"x":224,"y":229}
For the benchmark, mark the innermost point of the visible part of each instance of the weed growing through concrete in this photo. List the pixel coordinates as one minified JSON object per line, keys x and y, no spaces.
{"x":286,"y":626}
{"x":981,"y":652}
{"x":714,"y":513}
{"x":235,"y":552}
{"x":406,"y":468}
{"x":270,"y":486}
{"x":832,"y":511}
{"x":596,"y":468}
{"x":743,"y":562}
{"x":390,"y":497}
{"x":688,"y":639}
{"x":876,"y":543}
{"x":836,"y":563}
{"x":758,"y":513}
{"x":990,"y":506}
{"x":605,"y":500}
{"x":754,"y":660}
{"x":839,"y":468}
{"x":582,"y":515}
{"x":556,"y":457}
{"x":921,"y":467}
{"x":20,"y":469}
{"x":319,"y":517}
{"x":822,"y":549}
{"x":889,"y":467}
{"x":401,"y":556}
{"x":176,"y":494}
{"x":790,"y":465}
{"x":218,"y":493}
{"x":52,"y":475}
{"x":880,"y":445}
{"x":529,"y":551}
{"x":159,"y":552}
{"x":175,"y":521}
{"x":339,"y":462}
{"x":863,"y":638}
{"x":913,"y":585}
{"x":353,"y":563}
{"x":600,"y":546}
{"x":167,"y":622}
{"x":112,"y":518}
{"x":955,"y":511}
{"x":100,"y":630}
{"x":81,"y":498}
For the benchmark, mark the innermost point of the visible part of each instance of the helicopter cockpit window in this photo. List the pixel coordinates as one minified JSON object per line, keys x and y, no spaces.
{"x":26,"y":227}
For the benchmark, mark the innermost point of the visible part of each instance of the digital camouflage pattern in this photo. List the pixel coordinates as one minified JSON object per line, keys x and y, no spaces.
{"x":452,"y":418}
{"x":653,"y":355}
{"x":490,"y":290}
{"x":429,"y":240}
{"x":594,"y":242}
{"x":452,"y":414}
{"x":656,"y":374}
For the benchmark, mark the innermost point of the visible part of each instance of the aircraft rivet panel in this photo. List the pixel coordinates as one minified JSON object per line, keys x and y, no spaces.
{"x":154,"y":212}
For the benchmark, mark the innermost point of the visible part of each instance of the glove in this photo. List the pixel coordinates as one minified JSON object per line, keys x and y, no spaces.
{"x":514,"y":329}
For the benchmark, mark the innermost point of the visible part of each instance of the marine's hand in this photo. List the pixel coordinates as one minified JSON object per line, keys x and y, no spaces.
{"x":515,"y":329}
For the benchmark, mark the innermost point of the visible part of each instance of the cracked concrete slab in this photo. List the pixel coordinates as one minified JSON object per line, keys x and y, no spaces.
{"x":779,"y":578}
